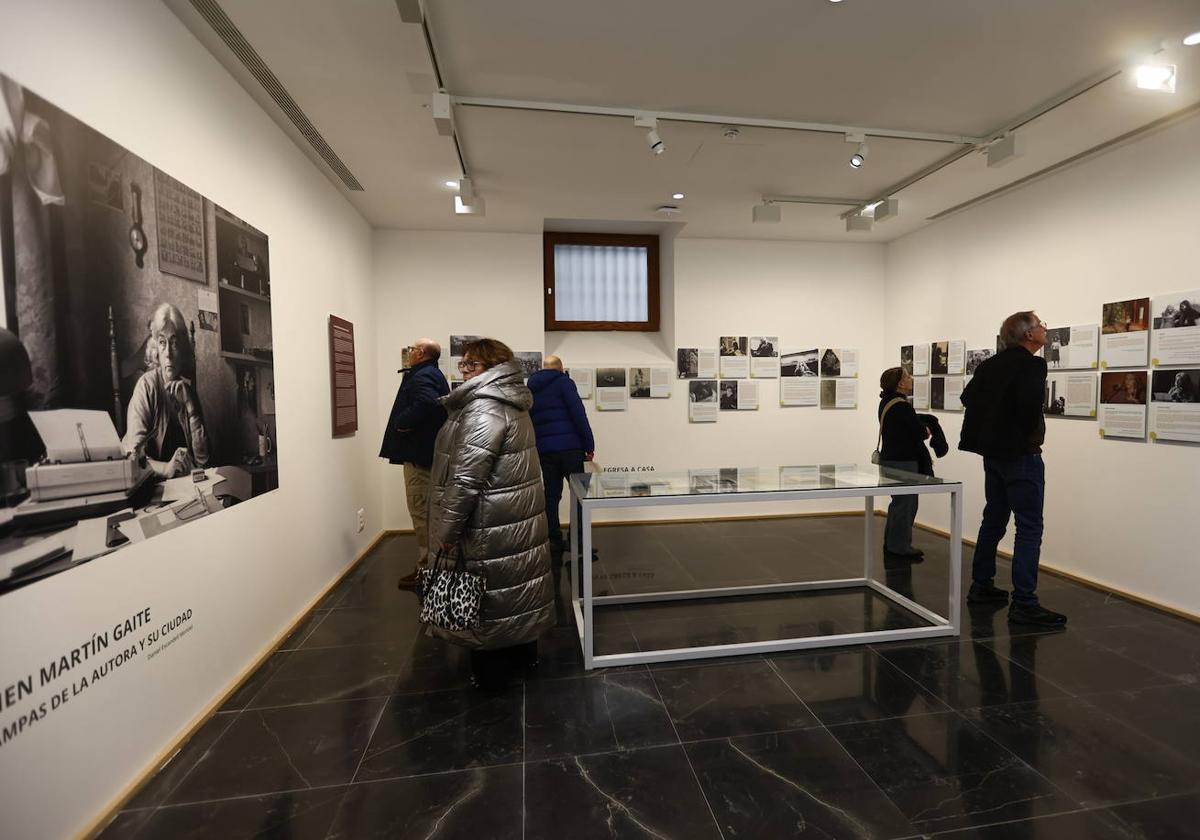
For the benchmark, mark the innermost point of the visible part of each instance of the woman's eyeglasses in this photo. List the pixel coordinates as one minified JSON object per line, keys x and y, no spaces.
{"x":465,"y":366}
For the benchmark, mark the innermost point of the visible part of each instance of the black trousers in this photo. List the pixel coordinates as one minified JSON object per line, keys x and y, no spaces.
{"x":556,"y":466}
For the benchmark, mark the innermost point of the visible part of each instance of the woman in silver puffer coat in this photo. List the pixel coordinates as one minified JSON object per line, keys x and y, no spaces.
{"x":486,"y":500}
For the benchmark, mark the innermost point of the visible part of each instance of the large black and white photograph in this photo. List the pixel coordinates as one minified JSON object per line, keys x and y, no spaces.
{"x":906,"y":359}
{"x":800,"y":363}
{"x":937,"y":393}
{"x":735,"y":361}
{"x":975,"y":358}
{"x":831,"y":363}
{"x":687,"y":363}
{"x":610,"y":377}
{"x":1175,"y":405}
{"x":1177,"y":386}
{"x":137,"y":347}
{"x":611,"y":393}
{"x":733,"y":345}
{"x":939,"y":358}
{"x":729,"y":395}
{"x":764,"y":356}
{"x":529,"y":360}
{"x":1176,"y":336}
{"x":702,"y":401}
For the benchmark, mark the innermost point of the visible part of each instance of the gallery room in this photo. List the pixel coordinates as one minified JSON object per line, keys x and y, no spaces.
{"x":436,"y":418}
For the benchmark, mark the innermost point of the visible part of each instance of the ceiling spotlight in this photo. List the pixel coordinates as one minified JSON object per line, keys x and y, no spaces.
{"x":859,"y":157}
{"x":1192,"y":40}
{"x":677,"y":196}
{"x":443,"y":117}
{"x":473,"y":206}
{"x":452,"y":184}
{"x":1156,"y":77}
{"x":1005,"y":150}
{"x":652,"y":139}
{"x":767,"y":214}
{"x":889,"y":208}
{"x":858,"y":223}
{"x":667,"y":210}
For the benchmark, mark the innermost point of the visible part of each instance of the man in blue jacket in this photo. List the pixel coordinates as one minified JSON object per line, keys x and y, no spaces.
{"x":564,"y":437}
{"x":412,"y":428}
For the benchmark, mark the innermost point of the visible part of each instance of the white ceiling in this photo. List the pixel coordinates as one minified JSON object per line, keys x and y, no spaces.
{"x":952,"y":66}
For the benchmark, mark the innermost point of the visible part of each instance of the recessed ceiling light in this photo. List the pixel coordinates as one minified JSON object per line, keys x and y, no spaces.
{"x":1192,"y":40}
{"x":835,"y":1}
{"x":452,"y":184}
{"x":677,"y":196}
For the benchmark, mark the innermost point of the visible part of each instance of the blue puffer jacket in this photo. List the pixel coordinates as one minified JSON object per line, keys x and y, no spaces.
{"x":558,"y":416}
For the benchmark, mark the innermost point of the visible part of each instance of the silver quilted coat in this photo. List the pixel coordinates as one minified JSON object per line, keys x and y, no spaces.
{"x":486,"y":495}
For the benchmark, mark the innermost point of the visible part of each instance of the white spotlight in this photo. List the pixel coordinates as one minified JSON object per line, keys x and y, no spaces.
{"x":470,"y":207}
{"x":443,"y":117}
{"x":858,"y":223}
{"x":1156,"y":77}
{"x":677,"y":196}
{"x":768,"y":214}
{"x":655,"y":142}
{"x":859,"y":157}
{"x":652,"y":139}
{"x":887,"y":209}
{"x":452,"y":184}
{"x":1005,"y":150}
{"x":1192,"y":40}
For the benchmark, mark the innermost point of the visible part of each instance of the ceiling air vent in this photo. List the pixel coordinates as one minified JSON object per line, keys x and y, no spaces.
{"x":215,"y":16}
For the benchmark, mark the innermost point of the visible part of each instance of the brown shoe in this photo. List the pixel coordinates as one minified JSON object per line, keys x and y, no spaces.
{"x":409,"y":581}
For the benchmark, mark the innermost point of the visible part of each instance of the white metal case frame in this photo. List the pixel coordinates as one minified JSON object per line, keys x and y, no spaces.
{"x":585,"y":602}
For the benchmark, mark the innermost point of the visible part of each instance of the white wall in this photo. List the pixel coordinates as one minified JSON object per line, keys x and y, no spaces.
{"x":1120,"y":226}
{"x":809,"y":294}
{"x":130,"y":69}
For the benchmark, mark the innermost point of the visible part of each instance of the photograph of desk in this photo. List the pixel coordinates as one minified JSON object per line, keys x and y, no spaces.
{"x":591,"y":492}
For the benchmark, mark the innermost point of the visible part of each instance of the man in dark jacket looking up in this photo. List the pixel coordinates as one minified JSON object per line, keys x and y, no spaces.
{"x":564,"y":436}
{"x":412,"y":428}
{"x":1004,"y":424}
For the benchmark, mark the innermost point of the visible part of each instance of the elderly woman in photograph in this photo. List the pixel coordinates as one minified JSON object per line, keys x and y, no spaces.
{"x":486,"y":501}
{"x":164,"y":419}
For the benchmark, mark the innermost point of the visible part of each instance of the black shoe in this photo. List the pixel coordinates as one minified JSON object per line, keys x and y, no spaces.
{"x":913,"y":555}
{"x":1035,"y":616}
{"x":985,"y":593}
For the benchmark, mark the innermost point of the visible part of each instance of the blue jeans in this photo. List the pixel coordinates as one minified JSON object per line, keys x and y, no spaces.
{"x":1014,"y":487}
{"x":902,"y":512}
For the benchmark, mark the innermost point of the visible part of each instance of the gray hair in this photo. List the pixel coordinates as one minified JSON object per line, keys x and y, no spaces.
{"x":1012,"y":331}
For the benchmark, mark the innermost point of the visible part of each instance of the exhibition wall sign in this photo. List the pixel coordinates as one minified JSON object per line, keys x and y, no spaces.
{"x":342,"y":377}
{"x":137,"y":347}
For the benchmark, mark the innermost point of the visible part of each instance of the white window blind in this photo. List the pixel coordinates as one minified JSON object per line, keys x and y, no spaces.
{"x":600,"y":283}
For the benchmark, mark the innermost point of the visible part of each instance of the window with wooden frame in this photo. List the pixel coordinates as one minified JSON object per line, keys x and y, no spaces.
{"x":601,"y":281}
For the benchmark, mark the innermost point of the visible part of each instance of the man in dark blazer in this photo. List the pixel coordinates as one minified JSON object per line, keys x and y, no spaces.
{"x":1004,"y":423}
{"x":412,"y":428}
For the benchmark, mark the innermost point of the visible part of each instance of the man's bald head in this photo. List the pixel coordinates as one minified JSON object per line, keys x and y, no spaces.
{"x":552,"y":362}
{"x":429,"y":349}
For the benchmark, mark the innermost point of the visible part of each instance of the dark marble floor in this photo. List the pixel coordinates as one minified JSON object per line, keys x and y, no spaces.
{"x":360,"y":727}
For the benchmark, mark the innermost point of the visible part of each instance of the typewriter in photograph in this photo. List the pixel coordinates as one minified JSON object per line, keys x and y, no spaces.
{"x":84,"y":472}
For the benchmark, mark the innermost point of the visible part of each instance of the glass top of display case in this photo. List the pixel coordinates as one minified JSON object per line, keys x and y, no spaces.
{"x":714,"y":480}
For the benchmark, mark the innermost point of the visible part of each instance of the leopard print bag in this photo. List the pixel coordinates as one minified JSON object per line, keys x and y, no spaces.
{"x":450,"y":595}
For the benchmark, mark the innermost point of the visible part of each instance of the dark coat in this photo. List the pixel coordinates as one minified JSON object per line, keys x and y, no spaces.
{"x":417,"y":409}
{"x":1003,"y":403}
{"x":903,"y":433}
{"x":937,"y":437}
{"x":486,"y":497}
{"x":558,"y":415}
